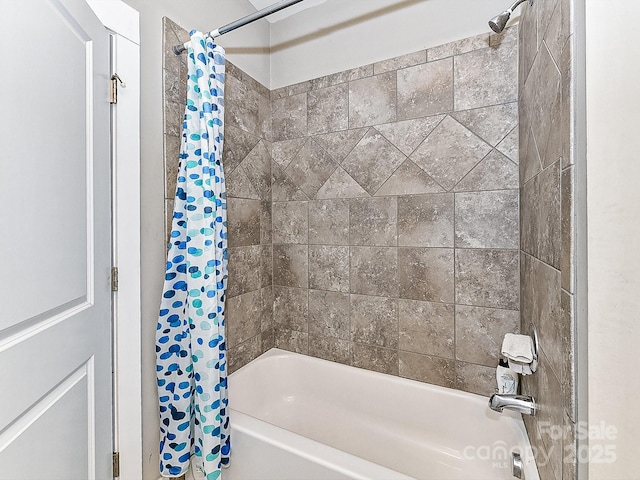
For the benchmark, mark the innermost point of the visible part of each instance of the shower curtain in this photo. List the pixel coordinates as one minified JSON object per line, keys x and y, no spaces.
{"x":190,"y":341}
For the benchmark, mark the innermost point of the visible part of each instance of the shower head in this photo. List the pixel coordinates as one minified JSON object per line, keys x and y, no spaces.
{"x":498,"y":22}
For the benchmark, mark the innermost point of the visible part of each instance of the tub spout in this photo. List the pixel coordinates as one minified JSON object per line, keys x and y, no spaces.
{"x":520,"y":403}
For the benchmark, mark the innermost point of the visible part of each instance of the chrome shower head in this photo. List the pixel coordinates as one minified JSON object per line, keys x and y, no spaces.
{"x":498,"y":22}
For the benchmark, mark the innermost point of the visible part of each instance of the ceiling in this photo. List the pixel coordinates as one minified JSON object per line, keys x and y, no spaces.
{"x":260,"y":4}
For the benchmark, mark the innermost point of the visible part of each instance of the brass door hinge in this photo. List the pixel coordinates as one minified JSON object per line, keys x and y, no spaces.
{"x":114,"y":279}
{"x":113,"y":88}
{"x":116,"y":464}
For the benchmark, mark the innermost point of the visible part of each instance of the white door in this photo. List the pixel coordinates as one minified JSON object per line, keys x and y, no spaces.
{"x":55,"y":243}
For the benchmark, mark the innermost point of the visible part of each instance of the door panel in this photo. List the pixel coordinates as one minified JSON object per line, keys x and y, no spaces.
{"x":55,"y":319}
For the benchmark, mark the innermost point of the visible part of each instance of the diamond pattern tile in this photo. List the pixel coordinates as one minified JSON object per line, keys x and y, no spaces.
{"x":450,"y":152}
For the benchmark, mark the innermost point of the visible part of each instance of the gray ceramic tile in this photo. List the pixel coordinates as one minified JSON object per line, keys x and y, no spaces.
{"x":242,"y":105}
{"x":291,"y":265}
{"x":257,"y":166}
{"x":374,"y":321}
{"x":372,"y":100}
{"x":569,"y":470}
{"x":486,"y":77}
{"x":510,"y":146}
{"x":487,"y":278}
{"x":479,"y":333}
{"x":171,"y":161}
{"x":298,"y":88}
{"x":378,"y":359}
{"x":426,"y":274}
{"x":292,"y":341}
{"x":409,"y":179}
{"x":450,"y":152}
{"x":329,"y":222}
{"x":244,"y":269}
{"x":170,"y":38}
{"x":360,"y":72}
{"x":530,"y":164}
{"x":284,"y":152}
{"x":332,"y":349}
{"x":265,"y":222}
{"x":426,"y":328}
{"x":290,"y":222}
{"x":403,"y":61}
{"x":373,"y":161}
{"x":458,"y":47}
{"x":542,"y":94}
{"x":289,"y":117}
{"x":239,"y":186}
{"x":311,"y":168}
{"x":494,"y":172}
{"x":329,"y":80}
{"x":244,"y":353}
{"x":550,"y":414}
{"x":541,"y":303}
{"x":172,"y":87}
{"x":340,"y":144}
{"x":291,"y":309}
{"x":267,"y":340}
{"x":425,"y":89}
{"x":168,"y":219}
{"x":329,"y":268}
{"x":264,"y":117}
{"x":373,"y":271}
{"x":508,"y":35}
{"x":492,"y":124}
{"x":540,"y":221}
{"x":243,"y":317}
{"x":424,"y":368}
{"x":283,"y":189}
{"x":372,"y":221}
{"x":329,"y":314}
{"x":426,"y":220}
{"x":328,"y":109}
{"x":341,"y":185}
{"x":567,"y":106}
{"x":408,"y":134}
{"x":173,"y":118}
{"x":266,"y":266}
{"x":266,"y":297}
{"x":528,"y":39}
{"x":487,"y":219}
{"x":476,"y":379}
{"x":243,"y":222}
{"x":237,"y":145}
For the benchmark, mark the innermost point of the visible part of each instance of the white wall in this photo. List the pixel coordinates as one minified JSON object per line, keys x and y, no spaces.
{"x":342,"y":34}
{"x":613,"y":206}
{"x":248,"y":49}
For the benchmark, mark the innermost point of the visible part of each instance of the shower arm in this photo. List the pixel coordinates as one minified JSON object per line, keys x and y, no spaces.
{"x":276,"y":7}
{"x":517,"y":3}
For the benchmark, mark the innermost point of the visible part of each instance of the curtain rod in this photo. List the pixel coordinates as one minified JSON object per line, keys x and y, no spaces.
{"x":276,"y":7}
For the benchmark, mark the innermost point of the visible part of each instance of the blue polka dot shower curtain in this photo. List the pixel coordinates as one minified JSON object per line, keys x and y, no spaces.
{"x":190,"y":341}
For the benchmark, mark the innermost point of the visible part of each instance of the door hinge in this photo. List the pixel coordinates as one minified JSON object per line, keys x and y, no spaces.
{"x":114,"y":279}
{"x":113,"y":88}
{"x":116,"y":464}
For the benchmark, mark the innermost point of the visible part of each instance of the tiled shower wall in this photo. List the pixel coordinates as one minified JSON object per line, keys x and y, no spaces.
{"x":395,"y":213}
{"x":547,"y":232}
{"x":394,"y":191}
{"x":248,"y":178}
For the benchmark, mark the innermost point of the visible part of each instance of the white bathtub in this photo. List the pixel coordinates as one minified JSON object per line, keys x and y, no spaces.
{"x":295,"y":417}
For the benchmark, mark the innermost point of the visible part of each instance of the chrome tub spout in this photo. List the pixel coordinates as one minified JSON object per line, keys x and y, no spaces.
{"x":520,"y":403}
